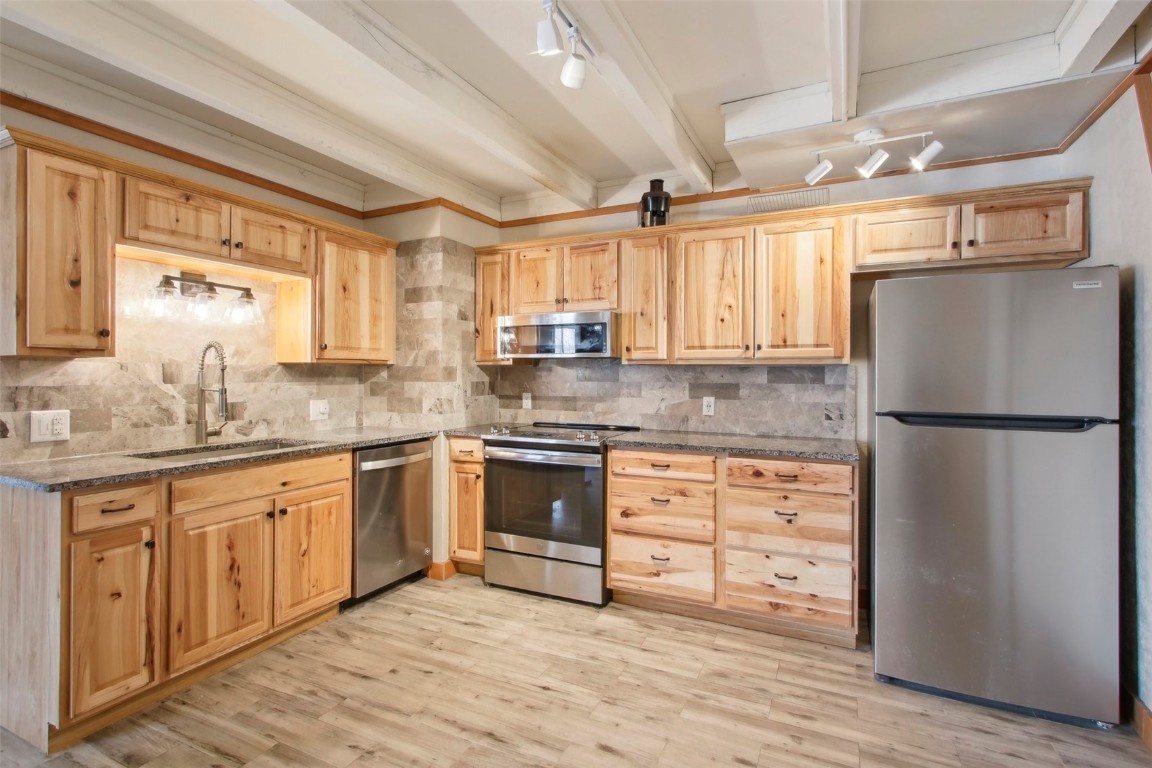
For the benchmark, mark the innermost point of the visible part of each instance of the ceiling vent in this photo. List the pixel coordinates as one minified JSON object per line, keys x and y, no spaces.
{"x":786,"y":201}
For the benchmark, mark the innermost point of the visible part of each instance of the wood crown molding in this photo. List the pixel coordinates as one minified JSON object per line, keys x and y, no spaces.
{"x":1144,"y":107}
{"x":824,"y":211}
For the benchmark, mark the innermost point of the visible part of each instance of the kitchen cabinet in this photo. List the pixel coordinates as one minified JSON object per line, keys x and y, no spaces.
{"x":574,"y":278}
{"x":313,"y":551}
{"x":491,"y":303}
{"x":349,"y":314}
{"x":466,"y":500}
{"x":1019,"y":228}
{"x":113,"y":626}
{"x":56,"y":255}
{"x":712,"y":294}
{"x":644,"y":298}
{"x":183,"y":220}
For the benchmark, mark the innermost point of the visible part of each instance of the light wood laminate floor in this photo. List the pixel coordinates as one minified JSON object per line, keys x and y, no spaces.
{"x":458,"y":674}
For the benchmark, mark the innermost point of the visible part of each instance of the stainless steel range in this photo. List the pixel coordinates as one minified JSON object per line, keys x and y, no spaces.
{"x":544,"y":509}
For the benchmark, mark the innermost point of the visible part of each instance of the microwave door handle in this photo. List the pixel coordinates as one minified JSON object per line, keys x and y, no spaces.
{"x":543,"y":457}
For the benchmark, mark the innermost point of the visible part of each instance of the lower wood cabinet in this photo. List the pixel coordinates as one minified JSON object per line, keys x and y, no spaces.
{"x":313,"y":546}
{"x":765,"y":542}
{"x":466,"y":500}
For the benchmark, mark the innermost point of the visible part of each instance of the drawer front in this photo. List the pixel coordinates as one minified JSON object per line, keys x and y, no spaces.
{"x":678,"y":466}
{"x":260,"y":480}
{"x":807,"y":591}
{"x":465,"y":449}
{"x":680,"y":509}
{"x":662,"y":568}
{"x":107,"y":509}
{"x":793,"y":475}
{"x":791,"y":523}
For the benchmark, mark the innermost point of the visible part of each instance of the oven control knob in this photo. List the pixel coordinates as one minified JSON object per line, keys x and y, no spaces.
{"x":580,"y":435}
{"x":504,"y":430}
{"x":593,"y":436}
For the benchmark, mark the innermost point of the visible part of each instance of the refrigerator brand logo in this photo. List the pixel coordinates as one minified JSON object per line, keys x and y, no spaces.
{"x":1086,"y":284}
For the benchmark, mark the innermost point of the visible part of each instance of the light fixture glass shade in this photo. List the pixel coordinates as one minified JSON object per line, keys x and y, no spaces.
{"x":245,"y":310}
{"x":820,"y":171}
{"x":205,"y":306}
{"x":161,"y":300}
{"x":547,"y":44}
{"x":572,"y":75}
{"x":872,"y":164}
{"x":926,"y":156}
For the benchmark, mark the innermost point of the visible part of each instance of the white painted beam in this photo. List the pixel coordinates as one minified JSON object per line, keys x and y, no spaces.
{"x":356,"y":31}
{"x":626,"y":68}
{"x":777,"y":112}
{"x":1090,"y":29}
{"x":116,"y":33}
{"x":843,"y":20}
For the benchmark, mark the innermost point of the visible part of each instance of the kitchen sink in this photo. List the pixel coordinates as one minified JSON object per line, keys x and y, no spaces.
{"x":221,"y":449}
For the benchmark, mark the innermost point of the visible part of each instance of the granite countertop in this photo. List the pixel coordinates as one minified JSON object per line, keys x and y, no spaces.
{"x":65,"y":474}
{"x":750,"y":445}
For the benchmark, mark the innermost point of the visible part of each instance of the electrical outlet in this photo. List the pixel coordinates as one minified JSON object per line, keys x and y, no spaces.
{"x":48,"y":426}
{"x":318,"y":409}
{"x":526,"y":400}
{"x":709,"y":406}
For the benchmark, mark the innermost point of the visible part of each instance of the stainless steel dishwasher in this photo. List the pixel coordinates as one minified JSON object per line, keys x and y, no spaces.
{"x":393,"y":492}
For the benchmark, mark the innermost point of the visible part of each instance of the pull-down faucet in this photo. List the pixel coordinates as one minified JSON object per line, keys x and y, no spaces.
{"x":202,"y":430}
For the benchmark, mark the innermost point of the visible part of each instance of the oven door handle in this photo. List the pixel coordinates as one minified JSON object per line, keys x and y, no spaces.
{"x":565,"y":458}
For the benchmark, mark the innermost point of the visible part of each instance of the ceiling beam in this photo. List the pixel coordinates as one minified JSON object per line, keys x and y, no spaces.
{"x":1090,"y":29}
{"x":626,"y":68}
{"x":118,"y":34}
{"x":397,"y":61}
{"x":843,"y":20}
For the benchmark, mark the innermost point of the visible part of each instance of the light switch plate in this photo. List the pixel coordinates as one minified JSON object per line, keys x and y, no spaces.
{"x":709,"y":406}
{"x":48,"y":426}
{"x":526,"y":400}
{"x":318,"y":410}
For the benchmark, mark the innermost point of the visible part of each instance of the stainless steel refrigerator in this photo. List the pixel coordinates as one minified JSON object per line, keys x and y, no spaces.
{"x":996,"y":488}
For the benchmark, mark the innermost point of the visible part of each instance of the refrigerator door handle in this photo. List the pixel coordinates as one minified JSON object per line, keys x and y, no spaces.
{"x":1026,"y":423}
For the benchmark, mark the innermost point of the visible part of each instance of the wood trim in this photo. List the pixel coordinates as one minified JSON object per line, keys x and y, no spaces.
{"x":1095,"y":114}
{"x":103,"y":130}
{"x":442,"y":571}
{"x":1144,"y":108}
{"x":1142,"y":720}
{"x":469,"y":569}
{"x":432,"y":203}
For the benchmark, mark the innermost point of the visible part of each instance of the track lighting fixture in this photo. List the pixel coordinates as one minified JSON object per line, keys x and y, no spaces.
{"x":872,"y":164}
{"x":926,"y":156}
{"x":547,"y":44}
{"x":572,"y":75}
{"x":820,"y":171}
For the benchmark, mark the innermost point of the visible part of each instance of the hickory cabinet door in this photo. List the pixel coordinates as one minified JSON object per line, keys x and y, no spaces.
{"x":644,"y":298}
{"x":712,"y":290}
{"x":535,"y":281}
{"x":313,"y":550}
{"x":590,"y":277}
{"x":466,"y":512}
{"x":356,"y":300}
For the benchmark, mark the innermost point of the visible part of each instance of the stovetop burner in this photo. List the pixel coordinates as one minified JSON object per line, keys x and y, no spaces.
{"x":556,"y":433}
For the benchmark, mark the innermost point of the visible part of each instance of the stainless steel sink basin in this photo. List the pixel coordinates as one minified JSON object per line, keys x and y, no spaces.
{"x":220,"y":450}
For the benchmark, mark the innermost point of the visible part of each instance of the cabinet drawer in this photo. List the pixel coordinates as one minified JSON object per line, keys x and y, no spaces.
{"x":680,"y":509}
{"x":679,"y":466}
{"x":465,"y":449}
{"x":794,"y":588}
{"x":793,"y":475}
{"x":93,"y":511}
{"x":662,"y":568}
{"x":793,"y":523}
{"x":261,"y":480}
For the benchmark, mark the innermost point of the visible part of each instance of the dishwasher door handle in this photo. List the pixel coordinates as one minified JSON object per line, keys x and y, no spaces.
{"x":397,"y":462}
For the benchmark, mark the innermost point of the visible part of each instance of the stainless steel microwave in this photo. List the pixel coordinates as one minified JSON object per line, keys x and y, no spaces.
{"x":559,"y":334}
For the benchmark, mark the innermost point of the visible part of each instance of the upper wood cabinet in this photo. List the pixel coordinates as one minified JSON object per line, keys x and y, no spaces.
{"x":491,"y":303}
{"x":56,"y":256}
{"x":908,"y":235}
{"x":169,"y":217}
{"x":644,"y":298}
{"x":573,"y":278}
{"x":801,"y":297}
{"x":711,"y":294}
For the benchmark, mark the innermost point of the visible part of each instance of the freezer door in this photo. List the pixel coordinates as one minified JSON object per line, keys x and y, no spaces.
{"x":1043,"y":343}
{"x":996,"y":564}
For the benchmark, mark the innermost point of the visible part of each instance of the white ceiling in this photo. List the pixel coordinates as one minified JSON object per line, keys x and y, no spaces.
{"x":416,"y":99}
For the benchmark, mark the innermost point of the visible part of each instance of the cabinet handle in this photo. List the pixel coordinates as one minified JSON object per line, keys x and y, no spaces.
{"x":117,"y":509}
{"x":660,"y":501}
{"x":788,"y":517}
{"x":467,"y":452}
{"x":239,"y":245}
{"x":323,"y":346}
{"x":955,"y":244}
{"x":105,"y":333}
{"x":565,"y":301}
{"x":759,"y":347}
{"x":786,"y":478}
{"x":557,"y":301}
{"x":661,"y":467}
{"x":226,"y":241}
{"x":746,"y":347}
{"x":971,"y":243}
{"x":283,"y":511}
{"x":785,"y":578}
{"x":661,"y":560}
{"x":150,"y":544}
{"x":627,"y":349}
{"x":270,"y":514}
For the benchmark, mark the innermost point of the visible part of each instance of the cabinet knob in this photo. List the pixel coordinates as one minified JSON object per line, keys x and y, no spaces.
{"x":557,"y":301}
{"x":971,"y":243}
{"x":239,"y":245}
{"x":105,"y":333}
{"x":150,"y":544}
{"x":746,"y":347}
{"x":477,"y":477}
{"x":627,"y":349}
{"x":323,"y":346}
{"x":226,"y":241}
{"x":270,"y":514}
{"x":565,"y":301}
{"x":955,"y":244}
{"x":283,"y":511}
{"x":759,"y":347}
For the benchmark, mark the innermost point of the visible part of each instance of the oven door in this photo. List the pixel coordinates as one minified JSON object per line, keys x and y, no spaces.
{"x":544,"y":502}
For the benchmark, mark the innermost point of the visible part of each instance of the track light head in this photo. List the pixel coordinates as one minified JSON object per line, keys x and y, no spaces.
{"x":576,"y":67}
{"x":926,"y":156}
{"x":872,"y":164}
{"x":547,"y":44}
{"x":820,"y":171}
